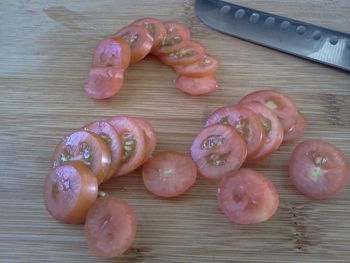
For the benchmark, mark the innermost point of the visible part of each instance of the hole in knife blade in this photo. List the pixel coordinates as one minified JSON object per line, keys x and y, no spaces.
{"x":239,"y":13}
{"x":254,"y":18}
{"x":225,"y":9}
{"x":270,"y":21}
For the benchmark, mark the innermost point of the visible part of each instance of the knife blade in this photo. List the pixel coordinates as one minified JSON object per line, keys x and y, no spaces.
{"x":288,"y":35}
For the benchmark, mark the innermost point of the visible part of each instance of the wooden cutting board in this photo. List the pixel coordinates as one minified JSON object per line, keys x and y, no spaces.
{"x":45,"y":54}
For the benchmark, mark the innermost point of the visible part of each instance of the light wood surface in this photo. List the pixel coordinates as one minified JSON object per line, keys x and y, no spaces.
{"x":45,"y":53}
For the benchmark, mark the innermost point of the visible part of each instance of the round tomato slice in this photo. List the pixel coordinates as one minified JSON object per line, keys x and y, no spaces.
{"x":103,"y":83}
{"x":69,"y":191}
{"x":297,"y":130}
{"x":133,"y":141}
{"x":283,"y":106}
{"x":110,"y":227}
{"x":112,"y":53}
{"x":177,"y":37}
{"x":272,"y":128}
{"x":150,"y":136}
{"x":87,"y":147}
{"x":187,"y":55}
{"x":218,"y":150}
{"x":111,"y":137}
{"x":206,"y":66}
{"x":197,"y":86}
{"x":247,"y":197}
{"x":318,"y":169}
{"x":140,"y":41}
{"x":169,"y":174}
{"x":155,"y":27}
{"x":246,"y":123}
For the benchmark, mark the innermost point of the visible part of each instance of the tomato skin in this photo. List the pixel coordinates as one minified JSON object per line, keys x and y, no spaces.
{"x":112,"y":52}
{"x":272,"y":127}
{"x":110,"y":227}
{"x":187,"y":55}
{"x":218,"y":150}
{"x":247,"y":197}
{"x":70,"y":205}
{"x":112,"y":139}
{"x":297,"y":130}
{"x":206,"y":66}
{"x":150,"y":136}
{"x":169,"y":174}
{"x":129,"y":130}
{"x":139,"y":39}
{"x":177,"y":37}
{"x":154,"y":26}
{"x":197,"y":86}
{"x":103,"y":83}
{"x":86,"y":147}
{"x":282,"y":105}
{"x":244,"y":121}
{"x":318,"y":169}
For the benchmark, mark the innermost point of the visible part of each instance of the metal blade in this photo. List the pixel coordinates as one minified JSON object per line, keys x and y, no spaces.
{"x":281,"y":33}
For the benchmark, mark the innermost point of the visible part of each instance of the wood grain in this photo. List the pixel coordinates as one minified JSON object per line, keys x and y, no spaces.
{"x":45,"y":51}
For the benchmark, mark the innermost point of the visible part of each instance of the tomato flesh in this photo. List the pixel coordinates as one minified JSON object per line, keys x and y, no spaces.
{"x":112,"y":52}
{"x":197,"y":86}
{"x":297,"y":129}
{"x":272,"y":128}
{"x":169,"y":174}
{"x":103,"y":83}
{"x":69,"y":191}
{"x":110,"y":227}
{"x":177,"y":37}
{"x":133,"y":141}
{"x":111,"y":137}
{"x":318,"y":169}
{"x":246,"y":123}
{"x":139,"y":39}
{"x":247,"y":197}
{"x":218,"y":150}
{"x":206,"y":66}
{"x":283,"y":106}
{"x":86,"y":147}
{"x":186,"y":55}
{"x":150,"y":136}
{"x":155,"y":27}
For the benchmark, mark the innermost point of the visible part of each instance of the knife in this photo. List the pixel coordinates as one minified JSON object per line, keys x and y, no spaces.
{"x":291,"y":36}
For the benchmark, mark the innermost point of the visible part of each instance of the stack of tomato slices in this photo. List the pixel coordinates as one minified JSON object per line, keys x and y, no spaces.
{"x":87,"y":158}
{"x":248,"y":131}
{"x":170,"y":41}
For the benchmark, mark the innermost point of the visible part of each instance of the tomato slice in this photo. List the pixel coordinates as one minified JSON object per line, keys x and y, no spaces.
{"x":318,"y":169}
{"x":187,"y":55}
{"x":140,"y":41}
{"x":111,"y":137}
{"x":103,"y":83}
{"x":86,"y":147}
{"x":110,"y":227}
{"x":297,"y":130}
{"x":246,"y":122}
{"x":133,"y":141}
{"x":283,"y":106}
{"x":197,"y":86}
{"x":150,"y":136}
{"x":206,"y":66}
{"x":155,"y":27}
{"x":177,"y":37}
{"x":169,"y":174}
{"x":112,"y":53}
{"x":218,"y":150}
{"x":247,"y":197}
{"x":69,"y":191}
{"x":272,"y":127}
